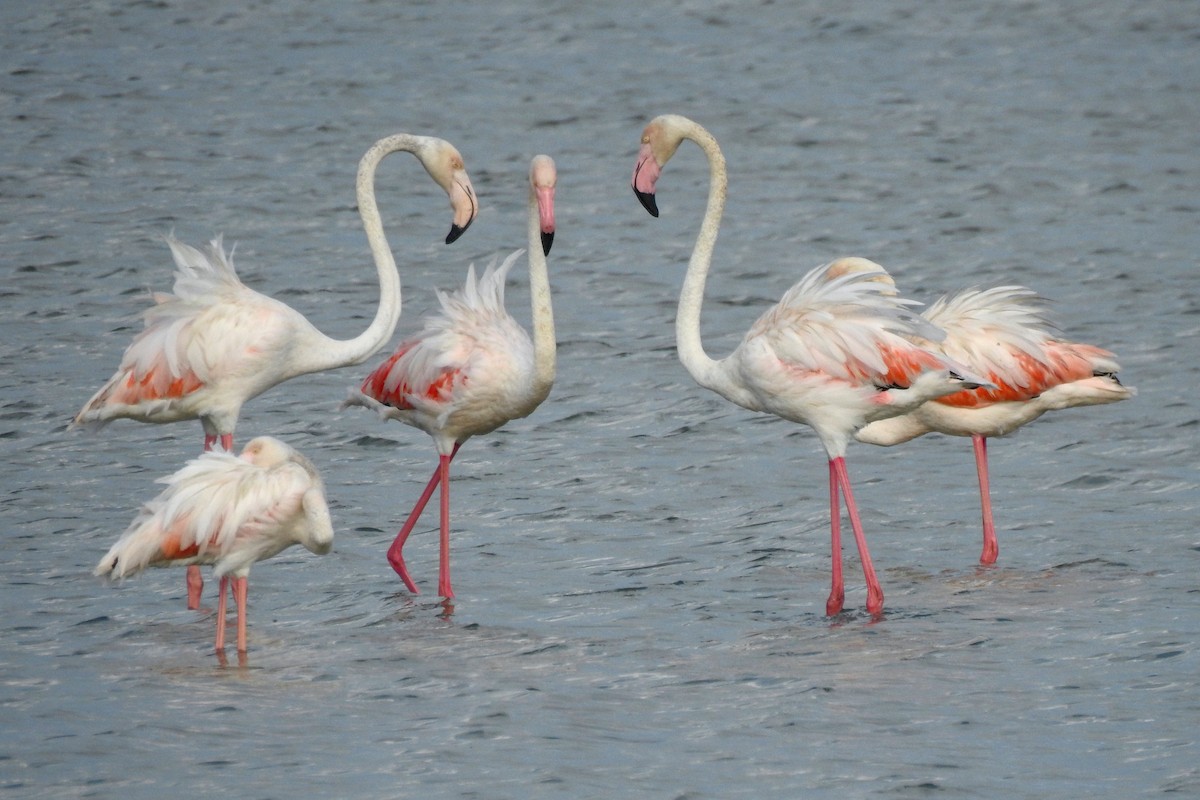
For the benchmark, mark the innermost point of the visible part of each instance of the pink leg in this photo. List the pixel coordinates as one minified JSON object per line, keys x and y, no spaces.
{"x":837,"y":594}
{"x":194,"y":580}
{"x":221,"y":615}
{"x":195,"y":586}
{"x":240,"y":589}
{"x":444,"y":565}
{"x":991,"y":549}
{"x":395,"y":555}
{"x":874,"y":592}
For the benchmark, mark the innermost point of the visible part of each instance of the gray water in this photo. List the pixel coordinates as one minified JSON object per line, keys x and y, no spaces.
{"x":641,"y":567}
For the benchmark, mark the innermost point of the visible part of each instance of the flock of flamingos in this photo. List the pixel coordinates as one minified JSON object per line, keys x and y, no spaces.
{"x":842,"y":352}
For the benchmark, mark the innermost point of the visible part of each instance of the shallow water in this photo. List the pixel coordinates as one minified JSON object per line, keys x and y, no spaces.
{"x":641,"y":567}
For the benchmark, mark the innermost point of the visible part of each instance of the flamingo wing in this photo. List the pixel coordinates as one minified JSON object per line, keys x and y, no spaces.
{"x":1005,"y":334}
{"x":850,"y":328}
{"x":428,"y":371}
{"x":211,"y":328}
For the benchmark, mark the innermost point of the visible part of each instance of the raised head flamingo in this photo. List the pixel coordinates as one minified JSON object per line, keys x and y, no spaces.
{"x":472,"y":368}
{"x":231,"y":512}
{"x":215,"y":343}
{"x":833,"y":354}
{"x":1003,"y":334}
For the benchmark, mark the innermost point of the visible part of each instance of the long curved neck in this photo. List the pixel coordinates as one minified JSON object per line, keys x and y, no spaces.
{"x":347,"y":352}
{"x":543,"y":315}
{"x":687,"y":319}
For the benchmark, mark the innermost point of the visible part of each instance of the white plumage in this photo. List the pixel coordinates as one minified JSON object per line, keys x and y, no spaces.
{"x":471,"y":368}
{"x":229,"y":512}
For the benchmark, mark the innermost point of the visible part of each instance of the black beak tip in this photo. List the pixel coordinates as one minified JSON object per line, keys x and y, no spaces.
{"x":457,"y":231}
{"x":547,"y":241}
{"x":648,"y":202}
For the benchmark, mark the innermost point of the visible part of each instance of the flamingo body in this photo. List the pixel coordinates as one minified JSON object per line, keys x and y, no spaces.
{"x":214,"y":343}
{"x":469,"y":371}
{"x":229,"y":512}
{"x":835,"y":353}
{"x":1003,"y":333}
{"x":472,"y":368}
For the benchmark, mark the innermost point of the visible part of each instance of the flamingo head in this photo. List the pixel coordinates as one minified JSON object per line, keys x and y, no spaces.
{"x":660,"y":139}
{"x":266,"y":451}
{"x":543,"y":176}
{"x":445,"y":165}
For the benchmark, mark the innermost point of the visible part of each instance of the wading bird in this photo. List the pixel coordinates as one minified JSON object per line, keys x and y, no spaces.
{"x":472,"y":368}
{"x":833,"y":353}
{"x":231,"y":512}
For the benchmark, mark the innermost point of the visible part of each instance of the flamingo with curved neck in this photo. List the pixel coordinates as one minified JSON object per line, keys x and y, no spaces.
{"x":215,"y":343}
{"x":832,"y":354}
{"x":472,"y":368}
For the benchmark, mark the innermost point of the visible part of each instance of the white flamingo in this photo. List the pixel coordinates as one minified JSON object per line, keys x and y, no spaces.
{"x":1003,"y":333}
{"x":832,"y":354}
{"x":472,"y":368}
{"x":215,"y":343}
{"x":231,"y":512}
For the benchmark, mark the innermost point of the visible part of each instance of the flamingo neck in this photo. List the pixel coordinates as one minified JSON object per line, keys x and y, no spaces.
{"x":703,"y":369}
{"x":542,"y":312}
{"x":347,"y":352}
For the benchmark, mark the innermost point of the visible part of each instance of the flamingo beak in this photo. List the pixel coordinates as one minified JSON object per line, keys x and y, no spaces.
{"x":545,"y":204}
{"x":645,"y":176}
{"x":462,"y":200}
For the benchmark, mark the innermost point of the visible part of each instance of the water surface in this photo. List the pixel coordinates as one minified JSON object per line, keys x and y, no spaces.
{"x":641,"y":567}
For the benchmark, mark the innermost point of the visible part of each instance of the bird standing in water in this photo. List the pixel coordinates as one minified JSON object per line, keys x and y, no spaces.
{"x":472,"y":368}
{"x":231,"y":512}
{"x":834,"y":353}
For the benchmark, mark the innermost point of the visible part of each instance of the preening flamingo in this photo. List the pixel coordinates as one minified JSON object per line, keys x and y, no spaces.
{"x":215,"y":343}
{"x":833,"y":354}
{"x":472,"y":368}
{"x":228,"y":511}
{"x":1003,"y":334}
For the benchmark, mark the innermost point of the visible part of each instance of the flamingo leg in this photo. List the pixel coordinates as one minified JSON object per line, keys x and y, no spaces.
{"x":991,"y":549}
{"x":195,"y":586}
{"x":240,"y":589}
{"x":194,"y":580}
{"x":395,"y":554}
{"x":221,"y":615}
{"x":444,"y":565}
{"x":837,"y":593}
{"x":874,"y":592}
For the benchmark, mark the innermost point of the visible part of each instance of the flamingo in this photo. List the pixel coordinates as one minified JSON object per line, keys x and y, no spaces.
{"x":472,"y":368}
{"x":833,"y":354}
{"x":215,"y":343}
{"x":231,"y":512}
{"x":1004,"y":334}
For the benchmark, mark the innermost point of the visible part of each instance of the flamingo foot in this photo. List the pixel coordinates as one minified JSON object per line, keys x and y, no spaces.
{"x":991,"y":552}
{"x":195,"y":586}
{"x":835,"y":603}
{"x":874,"y":600}
{"x":396,"y":559}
